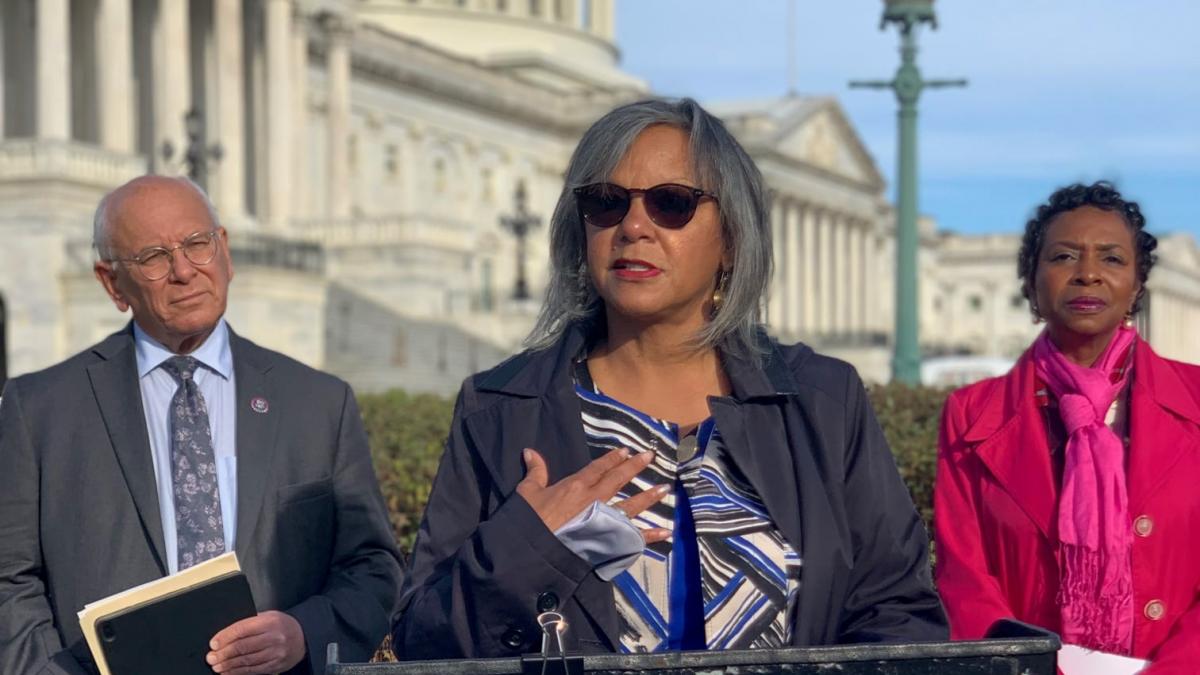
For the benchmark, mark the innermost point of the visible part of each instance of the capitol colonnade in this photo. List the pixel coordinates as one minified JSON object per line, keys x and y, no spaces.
{"x":371,"y":149}
{"x":826,"y":272}
{"x":123,"y":75}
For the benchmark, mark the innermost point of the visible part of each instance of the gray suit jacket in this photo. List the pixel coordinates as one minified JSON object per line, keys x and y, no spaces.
{"x":79,"y":514}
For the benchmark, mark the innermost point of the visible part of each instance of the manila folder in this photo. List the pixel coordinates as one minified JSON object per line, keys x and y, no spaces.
{"x":165,"y":625}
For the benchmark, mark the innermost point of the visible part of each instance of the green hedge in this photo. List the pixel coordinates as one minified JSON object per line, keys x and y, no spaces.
{"x":407,"y":433}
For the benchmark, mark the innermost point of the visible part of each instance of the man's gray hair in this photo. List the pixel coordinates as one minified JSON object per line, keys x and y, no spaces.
{"x":722,"y":167}
{"x":102,"y":227}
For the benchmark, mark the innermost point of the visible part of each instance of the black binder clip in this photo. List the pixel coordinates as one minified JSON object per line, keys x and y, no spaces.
{"x":553,"y":660}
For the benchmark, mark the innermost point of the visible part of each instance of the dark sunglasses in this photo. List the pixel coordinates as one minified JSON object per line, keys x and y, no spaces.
{"x":669,"y":205}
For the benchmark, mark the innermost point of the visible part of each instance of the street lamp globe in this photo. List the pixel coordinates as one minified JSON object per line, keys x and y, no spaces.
{"x":908,"y":12}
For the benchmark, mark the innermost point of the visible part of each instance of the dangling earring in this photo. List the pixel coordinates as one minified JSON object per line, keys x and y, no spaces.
{"x":718,"y":296}
{"x":1037,"y":316}
{"x":1128,"y":323}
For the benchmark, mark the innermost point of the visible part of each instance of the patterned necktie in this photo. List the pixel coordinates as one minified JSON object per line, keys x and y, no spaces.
{"x":198,"y":526}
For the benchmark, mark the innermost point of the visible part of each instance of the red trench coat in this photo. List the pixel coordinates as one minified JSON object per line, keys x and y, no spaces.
{"x":996,"y":509}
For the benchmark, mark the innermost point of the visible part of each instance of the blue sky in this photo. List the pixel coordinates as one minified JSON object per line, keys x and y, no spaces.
{"x":1059,"y":91}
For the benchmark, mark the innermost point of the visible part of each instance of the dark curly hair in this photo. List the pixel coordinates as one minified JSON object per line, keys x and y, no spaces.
{"x":1101,"y":195}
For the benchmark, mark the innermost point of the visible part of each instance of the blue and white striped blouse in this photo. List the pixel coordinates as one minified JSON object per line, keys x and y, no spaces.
{"x":726,"y":579}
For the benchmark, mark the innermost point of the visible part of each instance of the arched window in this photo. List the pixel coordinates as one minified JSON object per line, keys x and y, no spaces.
{"x":439,"y":175}
{"x":391,"y":163}
{"x":487,"y":299}
{"x":487,"y":185}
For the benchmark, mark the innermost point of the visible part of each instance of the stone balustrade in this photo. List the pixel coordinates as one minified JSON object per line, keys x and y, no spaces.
{"x":248,"y":249}
{"x":431,"y":230}
{"x":29,"y":159}
{"x":252,"y":249}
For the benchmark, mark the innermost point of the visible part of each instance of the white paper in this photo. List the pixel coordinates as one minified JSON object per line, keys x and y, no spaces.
{"x":1076,"y":660}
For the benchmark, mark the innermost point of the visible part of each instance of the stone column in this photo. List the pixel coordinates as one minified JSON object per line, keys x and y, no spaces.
{"x":53,"y":38}
{"x":837,"y":287}
{"x":996,"y":304}
{"x":847,"y":278}
{"x":114,"y":74}
{"x":338,"y":65}
{"x":3,"y":21}
{"x":230,"y":182}
{"x":856,"y":324}
{"x":300,"y":197}
{"x":889,"y":303}
{"x":602,"y":18}
{"x":412,"y":161}
{"x":173,"y":84}
{"x":828,"y":265}
{"x":279,"y":109}
{"x":795,"y":267}
{"x":809,"y":261}
{"x":818,"y":265}
{"x":570,"y":13}
{"x":778,"y":276}
{"x":254,"y":16}
{"x":868,"y":279}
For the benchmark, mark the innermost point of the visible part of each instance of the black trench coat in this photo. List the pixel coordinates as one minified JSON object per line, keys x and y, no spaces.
{"x":801,"y":429}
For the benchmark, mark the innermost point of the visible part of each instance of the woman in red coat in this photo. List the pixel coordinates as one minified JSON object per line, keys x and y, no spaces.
{"x":1068,"y":490}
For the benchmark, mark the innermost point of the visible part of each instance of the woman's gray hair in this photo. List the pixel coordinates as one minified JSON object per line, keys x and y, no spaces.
{"x":102,"y":228}
{"x":722,"y":167}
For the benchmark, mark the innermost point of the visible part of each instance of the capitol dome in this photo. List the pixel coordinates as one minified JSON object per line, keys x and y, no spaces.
{"x":562,"y":45}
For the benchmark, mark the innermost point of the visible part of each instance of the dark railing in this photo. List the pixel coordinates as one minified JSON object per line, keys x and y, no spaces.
{"x":851,"y":339}
{"x":1012,"y":648}
{"x":264,"y":250}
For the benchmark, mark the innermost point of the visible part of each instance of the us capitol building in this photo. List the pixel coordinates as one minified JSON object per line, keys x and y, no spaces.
{"x":364,"y":156}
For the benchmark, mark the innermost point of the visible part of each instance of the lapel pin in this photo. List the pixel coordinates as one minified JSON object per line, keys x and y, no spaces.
{"x":259,"y":404}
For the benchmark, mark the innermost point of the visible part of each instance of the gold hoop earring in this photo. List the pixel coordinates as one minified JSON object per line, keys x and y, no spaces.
{"x":718,"y":296}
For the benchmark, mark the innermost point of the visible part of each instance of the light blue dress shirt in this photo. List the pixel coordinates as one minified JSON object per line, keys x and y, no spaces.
{"x":214,"y":377}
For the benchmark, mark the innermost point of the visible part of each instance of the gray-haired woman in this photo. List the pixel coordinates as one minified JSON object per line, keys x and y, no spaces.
{"x":654,"y":468}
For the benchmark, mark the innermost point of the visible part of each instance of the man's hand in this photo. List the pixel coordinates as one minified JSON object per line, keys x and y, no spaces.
{"x":598,"y":481}
{"x":271,"y":642}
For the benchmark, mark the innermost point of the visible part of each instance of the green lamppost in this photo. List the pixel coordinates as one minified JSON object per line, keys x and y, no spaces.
{"x":907,"y":83}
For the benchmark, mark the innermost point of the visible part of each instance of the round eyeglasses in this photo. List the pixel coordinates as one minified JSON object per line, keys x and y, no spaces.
{"x":156,"y":262}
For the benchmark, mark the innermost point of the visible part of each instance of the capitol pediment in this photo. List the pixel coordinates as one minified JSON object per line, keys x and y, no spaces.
{"x":827,"y":141}
{"x":806,"y":130}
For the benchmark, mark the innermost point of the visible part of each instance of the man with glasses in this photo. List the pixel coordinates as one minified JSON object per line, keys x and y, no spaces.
{"x":176,"y":440}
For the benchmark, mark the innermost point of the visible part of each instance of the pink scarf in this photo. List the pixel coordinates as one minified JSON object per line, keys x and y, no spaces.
{"x":1094,"y":539}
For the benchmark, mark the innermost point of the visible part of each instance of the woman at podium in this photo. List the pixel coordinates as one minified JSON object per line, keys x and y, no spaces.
{"x":654,"y":467}
{"x":1067,"y":493}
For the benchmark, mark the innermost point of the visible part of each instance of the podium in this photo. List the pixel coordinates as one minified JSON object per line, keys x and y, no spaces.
{"x":1012,"y":648}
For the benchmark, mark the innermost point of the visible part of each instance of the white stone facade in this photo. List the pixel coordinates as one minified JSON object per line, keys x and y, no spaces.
{"x":978,"y":309}
{"x":363,"y":167}
{"x":368,"y":150}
